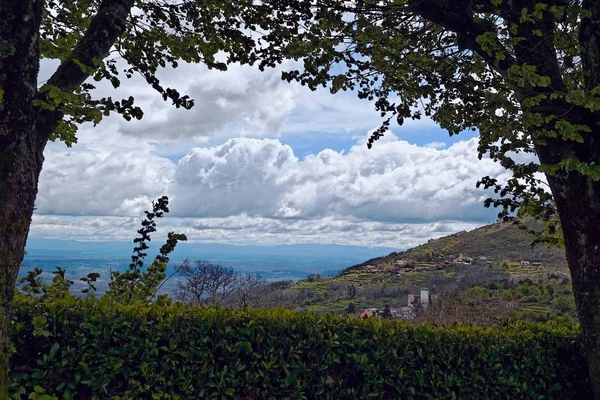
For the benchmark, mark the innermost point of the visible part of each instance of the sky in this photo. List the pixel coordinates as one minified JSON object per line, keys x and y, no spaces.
{"x":259,"y":160}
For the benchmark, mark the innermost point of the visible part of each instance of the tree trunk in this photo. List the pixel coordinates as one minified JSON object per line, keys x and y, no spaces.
{"x":20,"y":151}
{"x":20,"y":165}
{"x":578,"y":203}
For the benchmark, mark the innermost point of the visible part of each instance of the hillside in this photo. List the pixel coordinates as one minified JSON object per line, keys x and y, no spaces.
{"x":497,"y":242}
{"x":487,"y":275}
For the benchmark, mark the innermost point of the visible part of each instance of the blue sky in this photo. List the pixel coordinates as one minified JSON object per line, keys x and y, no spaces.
{"x":261,"y":161}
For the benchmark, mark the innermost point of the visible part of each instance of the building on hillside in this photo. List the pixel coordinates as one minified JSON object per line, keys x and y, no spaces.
{"x":366,"y":314}
{"x":424,"y":297}
{"x":511,"y":305}
{"x":524,"y":262}
{"x":536,"y":263}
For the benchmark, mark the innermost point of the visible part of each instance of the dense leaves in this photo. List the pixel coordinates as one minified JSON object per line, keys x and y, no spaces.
{"x":86,"y":348}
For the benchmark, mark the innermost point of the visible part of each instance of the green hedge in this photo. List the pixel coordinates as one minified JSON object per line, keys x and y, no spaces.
{"x":85,"y":348}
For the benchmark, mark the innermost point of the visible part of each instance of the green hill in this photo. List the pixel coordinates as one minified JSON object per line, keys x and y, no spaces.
{"x":492,"y":270}
{"x":496,"y":242}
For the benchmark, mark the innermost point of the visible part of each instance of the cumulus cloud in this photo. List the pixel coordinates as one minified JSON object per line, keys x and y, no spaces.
{"x":394,"y":182}
{"x":243,"y":229}
{"x":107,"y":174}
{"x":241,"y":176}
{"x":242,"y":101}
{"x":257,"y":190}
{"x":436,"y":145}
{"x":238,"y":184}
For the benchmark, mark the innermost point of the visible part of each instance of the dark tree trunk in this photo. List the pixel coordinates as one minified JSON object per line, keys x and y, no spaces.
{"x":20,"y":151}
{"x":20,"y":165}
{"x":579,"y":208}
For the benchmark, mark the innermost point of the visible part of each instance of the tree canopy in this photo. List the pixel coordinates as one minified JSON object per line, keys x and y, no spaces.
{"x":115,"y":39}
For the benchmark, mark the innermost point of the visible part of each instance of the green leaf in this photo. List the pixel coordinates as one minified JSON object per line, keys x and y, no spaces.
{"x":53,"y":350}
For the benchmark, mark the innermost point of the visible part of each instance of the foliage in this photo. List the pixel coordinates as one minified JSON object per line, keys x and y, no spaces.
{"x":133,"y":285}
{"x":387,"y":312}
{"x":136,"y":283}
{"x":351,"y":308}
{"x":98,"y":348}
{"x":155,"y":36}
{"x":207,"y":283}
{"x":313,"y":278}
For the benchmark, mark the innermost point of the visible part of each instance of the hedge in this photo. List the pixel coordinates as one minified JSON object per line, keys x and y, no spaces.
{"x":90,"y":349}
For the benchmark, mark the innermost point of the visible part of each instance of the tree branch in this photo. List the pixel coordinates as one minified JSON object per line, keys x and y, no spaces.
{"x":589,"y":40}
{"x":106,"y":26}
{"x":460,"y":21}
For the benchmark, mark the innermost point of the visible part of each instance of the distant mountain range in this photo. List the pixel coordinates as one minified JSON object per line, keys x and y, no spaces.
{"x":185,"y":248}
{"x":294,"y":261}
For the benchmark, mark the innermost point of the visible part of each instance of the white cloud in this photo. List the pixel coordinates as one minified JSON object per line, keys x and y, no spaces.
{"x":242,"y":101}
{"x":394,"y":182}
{"x":105,"y":174}
{"x":436,"y":145}
{"x":243,"y":229}
{"x":250,"y":190}
{"x":242,"y":176}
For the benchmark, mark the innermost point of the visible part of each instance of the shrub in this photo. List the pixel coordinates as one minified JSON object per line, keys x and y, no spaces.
{"x":96,"y":348}
{"x":564,"y":304}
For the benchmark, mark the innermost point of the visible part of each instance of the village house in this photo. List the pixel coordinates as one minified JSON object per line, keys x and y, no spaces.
{"x":424,"y":297}
{"x":366,"y":314}
{"x":511,"y":305}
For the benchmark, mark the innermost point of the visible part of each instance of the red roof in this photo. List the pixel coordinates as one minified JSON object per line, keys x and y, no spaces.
{"x":366,"y":314}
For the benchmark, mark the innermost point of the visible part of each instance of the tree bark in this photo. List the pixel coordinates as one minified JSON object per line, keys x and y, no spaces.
{"x":20,"y":151}
{"x":578,"y":203}
{"x":20,"y":166}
